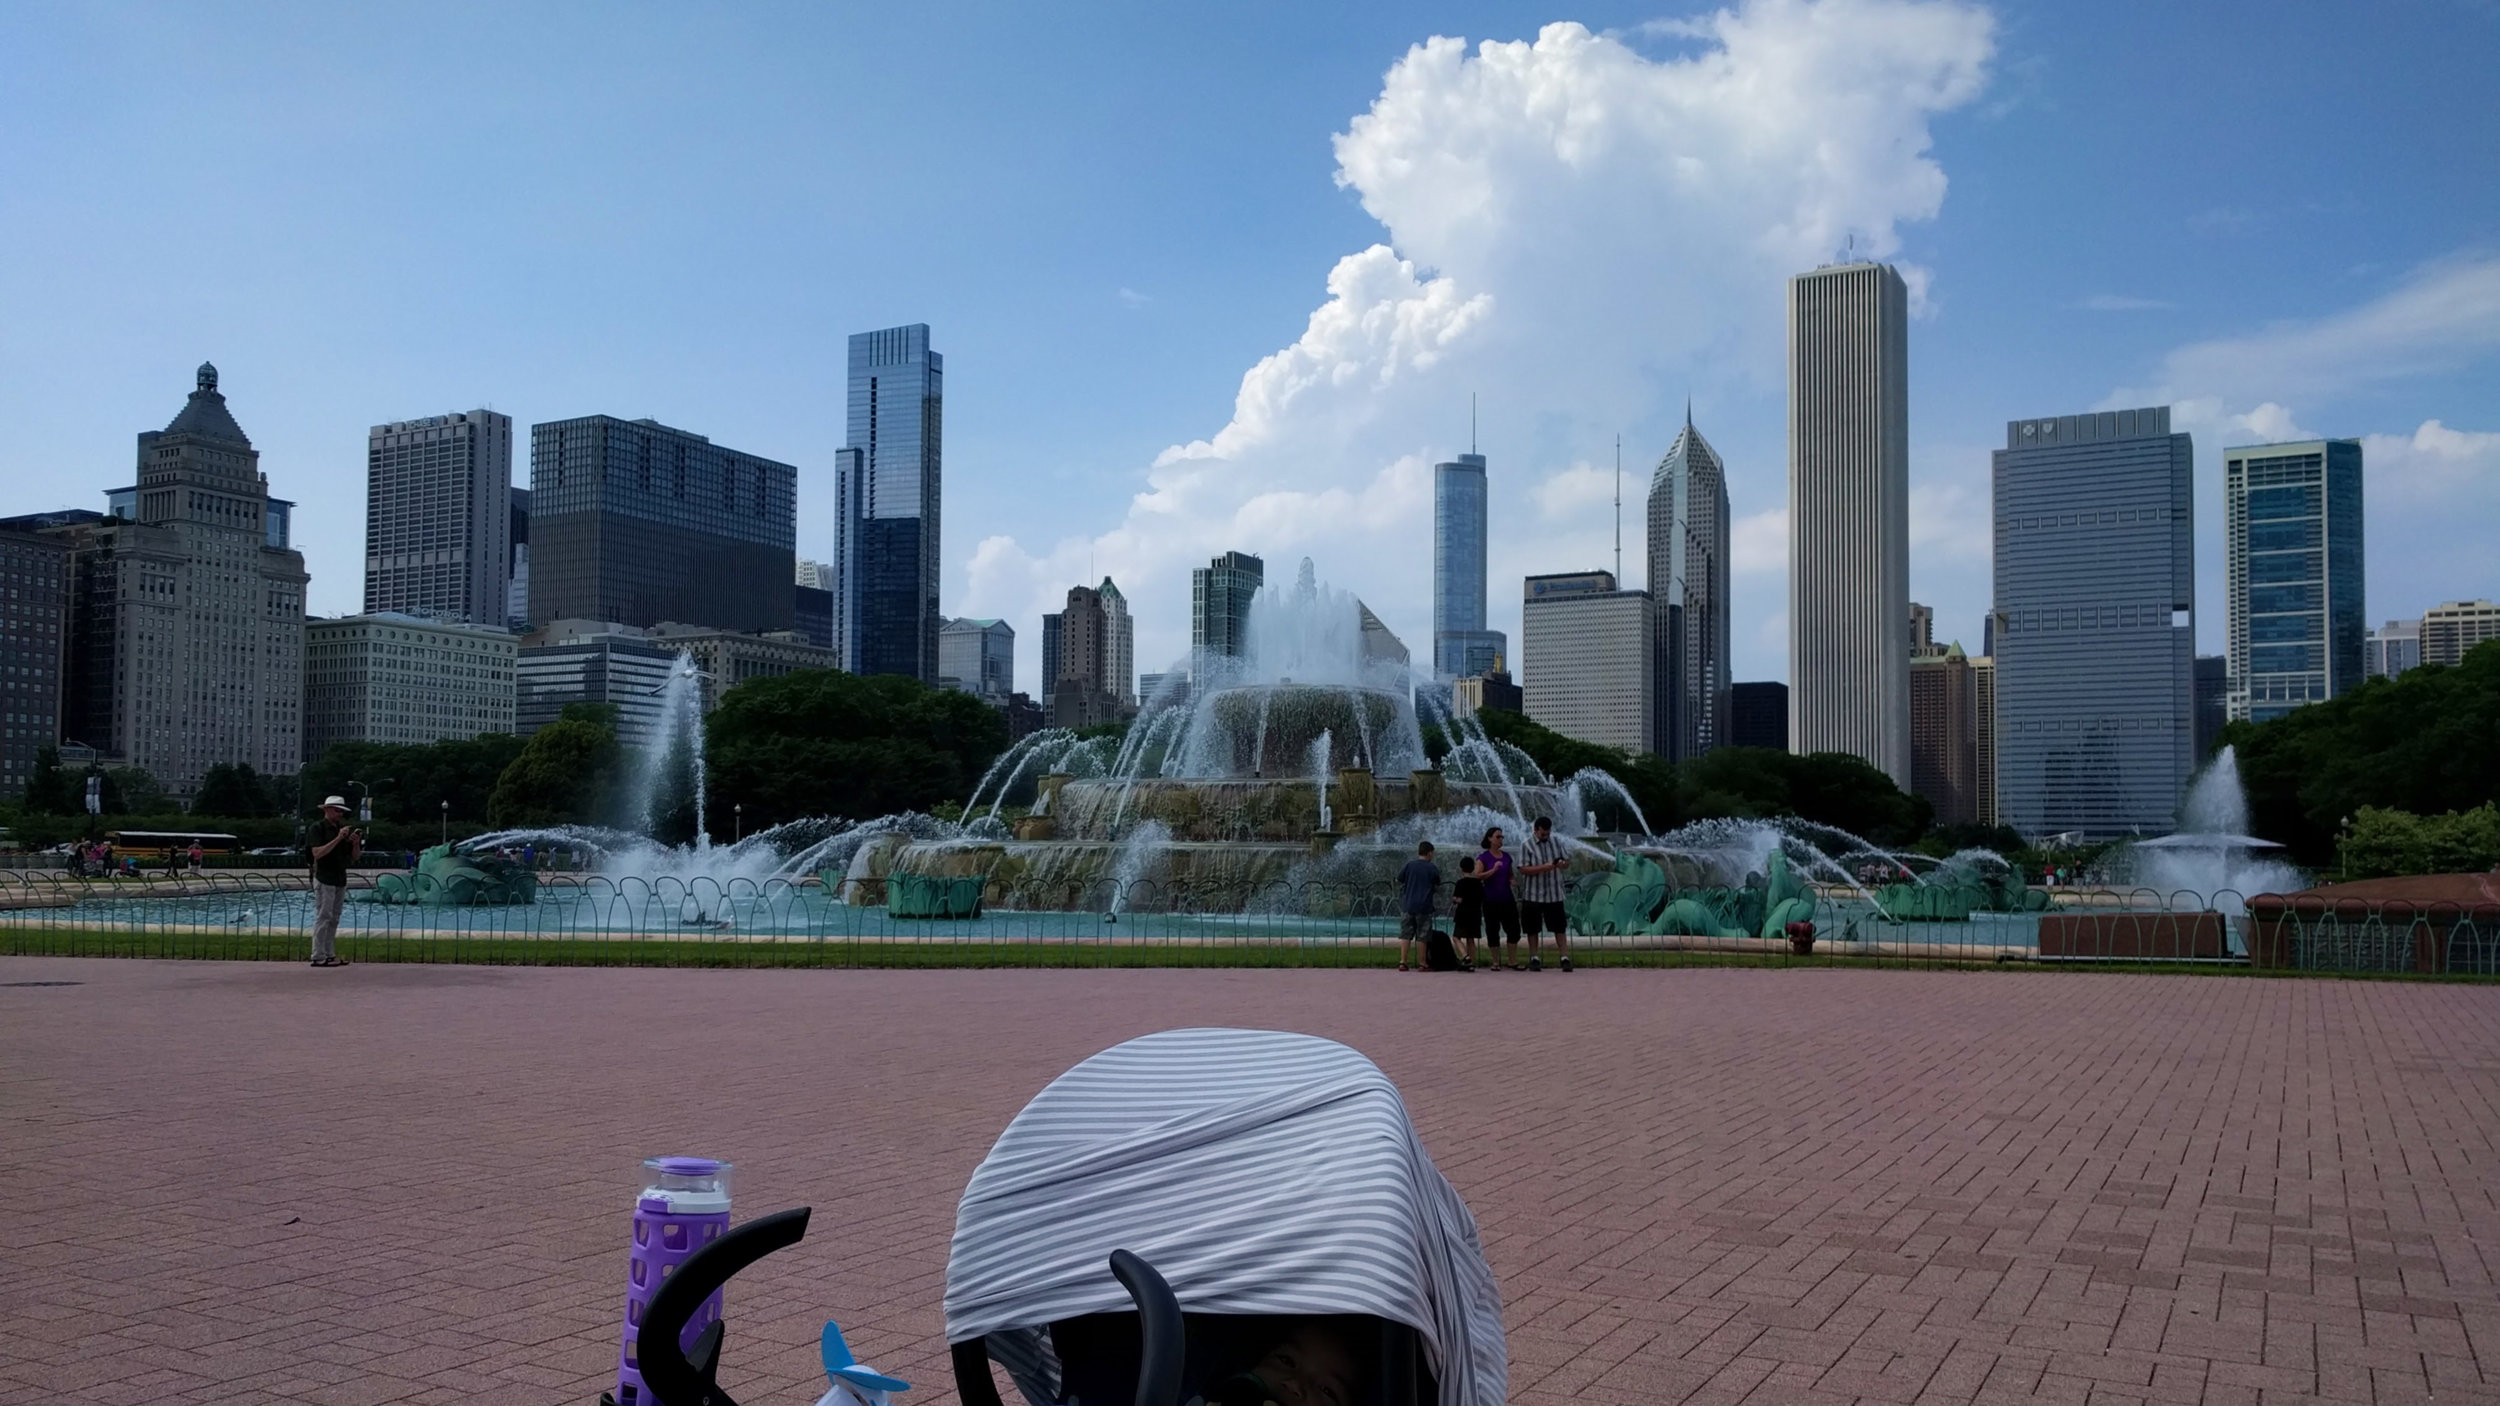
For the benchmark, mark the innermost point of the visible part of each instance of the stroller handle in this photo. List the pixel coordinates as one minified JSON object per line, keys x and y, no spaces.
{"x":674,"y":1376}
{"x":1162,"y":1340}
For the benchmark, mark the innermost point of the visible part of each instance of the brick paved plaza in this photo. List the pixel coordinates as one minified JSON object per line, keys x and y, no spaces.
{"x":242,"y":1183}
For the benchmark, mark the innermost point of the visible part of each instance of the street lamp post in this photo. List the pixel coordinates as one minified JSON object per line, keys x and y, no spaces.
{"x":446,"y":822}
{"x":739,"y":831}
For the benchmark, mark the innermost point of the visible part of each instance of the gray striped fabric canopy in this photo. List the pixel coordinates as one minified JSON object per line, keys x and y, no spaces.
{"x":1260,"y":1172}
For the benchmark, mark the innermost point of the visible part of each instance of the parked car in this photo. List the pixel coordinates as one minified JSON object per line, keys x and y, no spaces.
{"x":272,"y":850}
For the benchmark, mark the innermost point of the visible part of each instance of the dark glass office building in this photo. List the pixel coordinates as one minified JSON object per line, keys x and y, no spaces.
{"x":887,"y":487}
{"x":2096,"y":623}
{"x":633,"y":522}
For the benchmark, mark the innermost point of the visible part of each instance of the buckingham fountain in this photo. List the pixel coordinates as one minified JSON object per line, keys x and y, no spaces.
{"x":1293,"y":777}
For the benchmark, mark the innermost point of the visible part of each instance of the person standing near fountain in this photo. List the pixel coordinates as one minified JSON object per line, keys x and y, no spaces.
{"x":1541,"y":865}
{"x":333,"y":844}
{"x":1501,"y":910}
{"x":1421,"y":882}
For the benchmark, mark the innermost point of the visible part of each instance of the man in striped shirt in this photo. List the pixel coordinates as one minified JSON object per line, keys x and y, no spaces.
{"x":1541,"y":865}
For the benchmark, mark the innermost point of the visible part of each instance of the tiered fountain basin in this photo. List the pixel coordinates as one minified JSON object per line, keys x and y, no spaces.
{"x":1228,"y":844}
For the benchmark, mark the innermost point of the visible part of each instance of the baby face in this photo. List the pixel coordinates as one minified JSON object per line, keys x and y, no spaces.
{"x":1313,"y":1367}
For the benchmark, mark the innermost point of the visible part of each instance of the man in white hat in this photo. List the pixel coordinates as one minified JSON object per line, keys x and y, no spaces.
{"x":334,"y":844}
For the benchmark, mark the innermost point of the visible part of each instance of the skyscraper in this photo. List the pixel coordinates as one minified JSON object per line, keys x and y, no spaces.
{"x":1589,"y":659}
{"x":517,"y":591}
{"x":2213,"y":702}
{"x":392,"y":677}
{"x":2449,"y":630}
{"x":1688,"y":579}
{"x":34,"y":645}
{"x":1983,"y":726}
{"x":1849,"y":515}
{"x":187,"y":609}
{"x":1219,"y":606}
{"x":1120,"y":660}
{"x":635,"y":523}
{"x":2391,"y":649}
{"x":1758,"y":715}
{"x":887,"y":491}
{"x":980,"y":656}
{"x":1461,"y":645}
{"x":1944,"y":734}
{"x":2096,"y":623}
{"x":2291,"y":538}
{"x":1082,"y":695}
{"x":438,"y":518}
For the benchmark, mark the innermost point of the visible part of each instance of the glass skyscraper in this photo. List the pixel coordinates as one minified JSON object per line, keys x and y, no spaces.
{"x":1461,"y":646}
{"x":887,"y":488}
{"x":2291,"y":533}
{"x":2095,"y":623}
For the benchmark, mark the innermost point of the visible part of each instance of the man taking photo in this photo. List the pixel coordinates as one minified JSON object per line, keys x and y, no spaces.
{"x":334,"y":844}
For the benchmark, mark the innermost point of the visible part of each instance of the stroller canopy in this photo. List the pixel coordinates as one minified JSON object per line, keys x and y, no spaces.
{"x":1262,"y":1173}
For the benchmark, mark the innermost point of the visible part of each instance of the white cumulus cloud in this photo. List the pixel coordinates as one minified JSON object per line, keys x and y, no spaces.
{"x":1582,"y":230}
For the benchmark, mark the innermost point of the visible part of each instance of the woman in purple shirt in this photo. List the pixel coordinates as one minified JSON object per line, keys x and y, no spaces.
{"x":1501,"y":910}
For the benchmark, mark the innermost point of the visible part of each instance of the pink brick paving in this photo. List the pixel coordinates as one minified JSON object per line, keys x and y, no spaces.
{"x":400,"y":1184}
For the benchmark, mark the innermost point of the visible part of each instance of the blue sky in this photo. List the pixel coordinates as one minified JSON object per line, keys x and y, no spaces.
{"x":1139,"y":228}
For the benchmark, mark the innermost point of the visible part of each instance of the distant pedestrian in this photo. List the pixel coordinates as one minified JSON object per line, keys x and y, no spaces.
{"x":1467,"y":909}
{"x":333,"y":845}
{"x":1501,"y":910}
{"x":1420,"y":882}
{"x":195,"y":856}
{"x":1541,"y":865}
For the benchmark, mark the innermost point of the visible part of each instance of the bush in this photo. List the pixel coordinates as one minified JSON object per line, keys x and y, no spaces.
{"x":2382,"y":843}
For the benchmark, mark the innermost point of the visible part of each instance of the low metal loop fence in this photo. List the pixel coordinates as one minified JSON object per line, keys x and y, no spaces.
{"x":702,"y":920}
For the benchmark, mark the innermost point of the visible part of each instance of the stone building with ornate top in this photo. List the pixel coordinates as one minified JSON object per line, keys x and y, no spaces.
{"x":187,"y":609}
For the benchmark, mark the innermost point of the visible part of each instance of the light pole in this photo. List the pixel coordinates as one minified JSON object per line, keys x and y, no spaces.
{"x":739,"y":828}
{"x":446,"y":822}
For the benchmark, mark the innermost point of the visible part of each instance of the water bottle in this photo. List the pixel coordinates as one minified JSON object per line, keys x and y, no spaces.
{"x":683,"y":1207}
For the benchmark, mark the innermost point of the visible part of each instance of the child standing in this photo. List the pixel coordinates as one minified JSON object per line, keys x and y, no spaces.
{"x":1467,"y":911}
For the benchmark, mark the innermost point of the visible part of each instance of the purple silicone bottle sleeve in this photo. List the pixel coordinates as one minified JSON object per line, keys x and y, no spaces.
{"x":684,"y":1207}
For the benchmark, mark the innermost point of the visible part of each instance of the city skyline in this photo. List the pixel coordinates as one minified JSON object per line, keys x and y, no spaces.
{"x":2192,"y":285}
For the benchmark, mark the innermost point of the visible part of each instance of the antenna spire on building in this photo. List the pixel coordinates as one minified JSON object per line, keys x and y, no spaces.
{"x":1618,"y":512}
{"x":1471,"y":422}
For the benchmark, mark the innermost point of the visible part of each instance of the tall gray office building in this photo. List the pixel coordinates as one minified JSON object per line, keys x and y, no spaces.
{"x":633,"y":522}
{"x":2095,"y":623}
{"x":1688,"y":580}
{"x":438,"y":518}
{"x":1461,"y":646}
{"x":887,"y":488}
{"x":1849,"y":515}
{"x":2291,"y":540}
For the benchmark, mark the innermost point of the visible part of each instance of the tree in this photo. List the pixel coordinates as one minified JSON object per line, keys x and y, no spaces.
{"x":230,"y":789}
{"x":826,"y":743}
{"x":2426,"y":742}
{"x":565,"y":774}
{"x":138,"y":792}
{"x":1836,"y":789}
{"x":50,"y":790}
{"x":420,"y":776}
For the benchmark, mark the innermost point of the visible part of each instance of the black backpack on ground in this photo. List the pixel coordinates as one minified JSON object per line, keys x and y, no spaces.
{"x":1439,"y":955}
